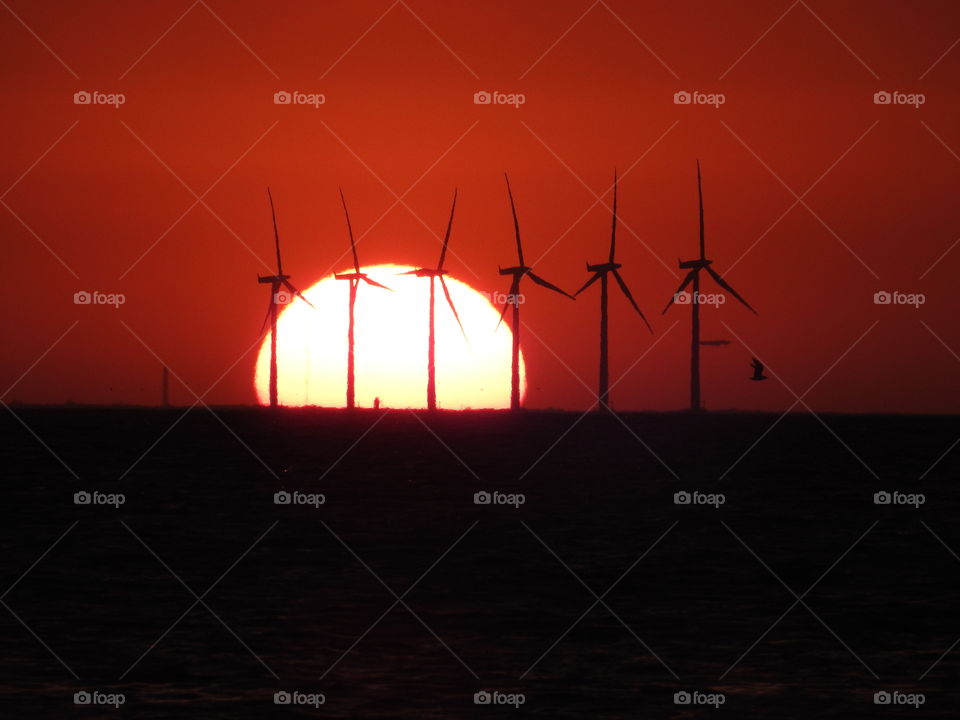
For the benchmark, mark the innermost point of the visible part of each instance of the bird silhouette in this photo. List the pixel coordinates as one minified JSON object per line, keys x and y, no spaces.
{"x":757,"y":370}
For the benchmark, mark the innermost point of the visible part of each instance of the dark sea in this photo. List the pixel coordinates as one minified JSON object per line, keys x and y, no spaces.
{"x":248,"y":563}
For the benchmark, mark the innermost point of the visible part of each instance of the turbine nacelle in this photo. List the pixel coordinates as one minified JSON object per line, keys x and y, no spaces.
{"x":517,"y":270}
{"x":698,"y":264}
{"x":273,"y":279}
{"x":604,"y":267}
{"x":426,"y":272}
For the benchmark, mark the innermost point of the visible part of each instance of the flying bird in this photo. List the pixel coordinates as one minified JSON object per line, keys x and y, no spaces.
{"x":757,"y":370}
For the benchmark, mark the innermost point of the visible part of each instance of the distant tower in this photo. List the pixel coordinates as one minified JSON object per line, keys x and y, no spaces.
{"x":165,"y":387}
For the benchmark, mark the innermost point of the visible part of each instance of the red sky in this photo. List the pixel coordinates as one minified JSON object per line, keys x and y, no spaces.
{"x":99,"y":209}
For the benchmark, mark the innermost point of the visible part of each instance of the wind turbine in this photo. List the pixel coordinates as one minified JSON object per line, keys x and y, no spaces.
{"x":693,"y":276}
{"x":512,"y":299}
{"x":600,"y":273}
{"x":355,"y":277}
{"x":433,"y":274}
{"x":276,"y":282}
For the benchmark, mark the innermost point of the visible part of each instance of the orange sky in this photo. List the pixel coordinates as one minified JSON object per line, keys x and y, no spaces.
{"x":112,"y":205}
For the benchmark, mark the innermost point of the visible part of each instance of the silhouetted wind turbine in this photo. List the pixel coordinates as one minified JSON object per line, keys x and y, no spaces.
{"x":355,"y":277}
{"x":276,"y":282}
{"x":694,"y":267}
{"x":433,"y":274}
{"x":600,"y":273}
{"x":512,"y":299}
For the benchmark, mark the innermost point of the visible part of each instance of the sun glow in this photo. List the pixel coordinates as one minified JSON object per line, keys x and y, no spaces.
{"x":390,"y":346}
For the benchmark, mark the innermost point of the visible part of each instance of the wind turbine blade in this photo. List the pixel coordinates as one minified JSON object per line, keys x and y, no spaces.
{"x":626,"y":291}
{"x":686,"y":281}
{"x":613,"y":230}
{"x":446,"y":293}
{"x":726,"y":286}
{"x":446,"y":238}
{"x":368,"y":281}
{"x":276,"y":233}
{"x":703,"y":251}
{"x":514,"y":291}
{"x":550,"y":286}
{"x":516,"y":223}
{"x":591,"y":281}
{"x":266,"y":318}
{"x":353,"y":244}
{"x":289,"y":286}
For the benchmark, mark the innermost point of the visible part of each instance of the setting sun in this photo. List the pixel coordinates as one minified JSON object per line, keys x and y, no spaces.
{"x":390,"y":346}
